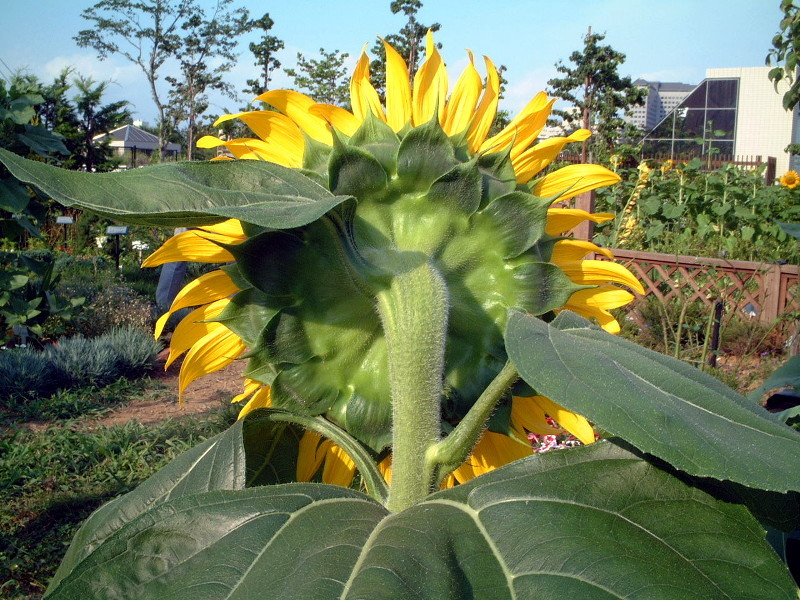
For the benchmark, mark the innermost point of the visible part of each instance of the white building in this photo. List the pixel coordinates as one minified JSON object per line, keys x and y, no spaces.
{"x":662,"y":97}
{"x":734,"y":112}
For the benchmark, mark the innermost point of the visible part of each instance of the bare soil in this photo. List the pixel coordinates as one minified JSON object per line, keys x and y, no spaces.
{"x":204,"y":395}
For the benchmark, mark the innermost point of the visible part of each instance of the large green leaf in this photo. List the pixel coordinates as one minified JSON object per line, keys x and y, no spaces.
{"x":186,"y":193}
{"x":657,"y":403}
{"x":596,"y":522}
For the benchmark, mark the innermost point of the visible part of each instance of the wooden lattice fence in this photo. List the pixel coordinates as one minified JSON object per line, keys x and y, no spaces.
{"x":759,"y":291}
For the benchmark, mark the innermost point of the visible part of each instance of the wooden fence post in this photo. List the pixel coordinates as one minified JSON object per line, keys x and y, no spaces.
{"x":585,"y":231}
{"x":772,"y":294}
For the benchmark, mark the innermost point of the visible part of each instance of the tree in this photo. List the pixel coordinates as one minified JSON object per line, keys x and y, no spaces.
{"x":204,"y":38}
{"x":599,"y":95}
{"x":324,"y":79}
{"x":145,"y":32}
{"x":92,"y":119}
{"x":407,"y":42}
{"x":786,"y":50}
{"x":264,"y":53}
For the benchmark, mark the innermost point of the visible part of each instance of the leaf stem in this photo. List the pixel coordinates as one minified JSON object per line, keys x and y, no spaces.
{"x":450,"y":452}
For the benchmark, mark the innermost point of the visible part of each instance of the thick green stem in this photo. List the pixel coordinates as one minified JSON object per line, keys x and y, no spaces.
{"x":449,"y":453}
{"x":413,"y":312}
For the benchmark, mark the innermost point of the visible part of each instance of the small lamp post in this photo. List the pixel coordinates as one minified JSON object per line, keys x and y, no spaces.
{"x":65,"y":220}
{"x":116,"y":231}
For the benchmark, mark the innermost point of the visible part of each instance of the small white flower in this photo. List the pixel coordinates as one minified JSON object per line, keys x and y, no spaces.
{"x":100,"y":240}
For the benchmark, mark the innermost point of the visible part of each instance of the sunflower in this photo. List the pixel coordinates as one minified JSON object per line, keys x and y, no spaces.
{"x":790,"y":179}
{"x":431,"y":186}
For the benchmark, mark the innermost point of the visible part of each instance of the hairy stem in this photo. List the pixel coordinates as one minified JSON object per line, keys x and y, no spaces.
{"x":413,"y":312}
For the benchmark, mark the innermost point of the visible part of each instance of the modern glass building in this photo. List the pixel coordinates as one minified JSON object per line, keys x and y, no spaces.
{"x":734,"y":112}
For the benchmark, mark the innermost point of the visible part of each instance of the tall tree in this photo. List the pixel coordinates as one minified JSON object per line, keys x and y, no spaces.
{"x":786,"y":49}
{"x":264,"y":52}
{"x":598,"y":94}
{"x":92,"y":118}
{"x":204,"y":38}
{"x":408,"y":42}
{"x":324,"y":79}
{"x":145,"y":32}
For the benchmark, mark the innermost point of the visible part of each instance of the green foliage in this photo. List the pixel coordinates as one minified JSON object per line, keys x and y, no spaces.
{"x":593,"y":86}
{"x":26,"y":373}
{"x":264,"y":53}
{"x":685,"y":210}
{"x":52,"y":479}
{"x":476,"y":542}
{"x":786,"y":49}
{"x":29,"y":297}
{"x":325,"y":79}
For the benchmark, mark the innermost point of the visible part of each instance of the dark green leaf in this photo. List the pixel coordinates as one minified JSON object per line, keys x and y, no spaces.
{"x":545,"y":287}
{"x":659,"y":404}
{"x":459,"y":188}
{"x":521,"y":218}
{"x":247,"y":313}
{"x":186,"y":193}
{"x":596,"y":522}
{"x":354,"y":172}
{"x":792,"y":229}
{"x":425,"y":154}
{"x":13,"y":196}
{"x":42,"y":141}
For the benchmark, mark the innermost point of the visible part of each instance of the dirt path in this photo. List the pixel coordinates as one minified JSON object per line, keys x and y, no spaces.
{"x":202,"y":396}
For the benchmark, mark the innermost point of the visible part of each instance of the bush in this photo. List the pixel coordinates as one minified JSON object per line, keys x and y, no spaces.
{"x":75,"y":362}
{"x":116,"y":306}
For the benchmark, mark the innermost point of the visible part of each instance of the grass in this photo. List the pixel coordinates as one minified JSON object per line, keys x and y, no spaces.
{"x":52,"y":478}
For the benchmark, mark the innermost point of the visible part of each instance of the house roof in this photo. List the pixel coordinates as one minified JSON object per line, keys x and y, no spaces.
{"x":131,"y":137}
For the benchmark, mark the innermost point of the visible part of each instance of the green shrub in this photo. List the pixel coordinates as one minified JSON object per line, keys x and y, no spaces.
{"x":117,"y":306}
{"x":26,"y":374}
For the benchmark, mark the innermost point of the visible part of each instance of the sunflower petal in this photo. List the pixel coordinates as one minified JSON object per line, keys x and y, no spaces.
{"x":385,"y":467}
{"x":251,"y":386}
{"x":492,"y":451}
{"x":261,"y":399}
{"x":604,"y":318}
{"x":310,"y":455}
{"x":281,"y":151}
{"x":430,"y":86}
{"x":570,"y":250}
{"x":194,"y":246}
{"x":363,"y":97}
{"x":487,"y":109}
{"x":296,"y":106}
{"x":214,"y":351}
{"x":573,"y":180}
{"x":341,"y":119}
{"x":460,"y":107}
{"x":209,"y":287}
{"x":231,"y":228}
{"x":529,"y":415}
{"x":523,"y":130}
{"x":398,"y":89}
{"x":596,"y":272}
{"x":572,"y":422}
{"x":604,"y":297}
{"x":561,"y":220}
{"x":533,"y":160}
{"x":193,"y":327}
{"x":339,"y":468}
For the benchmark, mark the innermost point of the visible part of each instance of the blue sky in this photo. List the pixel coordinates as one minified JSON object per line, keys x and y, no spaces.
{"x":674,"y":40}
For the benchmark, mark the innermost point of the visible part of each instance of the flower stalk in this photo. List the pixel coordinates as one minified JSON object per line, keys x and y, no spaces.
{"x":413,"y":313}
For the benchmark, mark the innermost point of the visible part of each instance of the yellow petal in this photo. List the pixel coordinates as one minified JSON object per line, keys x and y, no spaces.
{"x":363,"y":97}
{"x":216,"y":350}
{"x":572,"y":180}
{"x":571,"y":250}
{"x":385,"y":467}
{"x":398,"y":89}
{"x":261,"y":399}
{"x":523,"y":129}
{"x":340,"y":118}
{"x":430,"y":86}
{"x":193,"y":327}
{"x":277,"y":149}
{"x":604,"y":318}
{"x":533,"y":160}
{"x":529,"y":415}
{"x":492,"y":451}
{"x":460,"y":107}
{"x":339,"y":468}
{"x":231,"y":228}
{"x":574,"y":423}
{"x":296,"y":106}
{"x":310,"y":455}
{"x":209,"y":287}
{"x":561,"y":220}
{"x":192,"y":246}
{"x":604,"y":297}
{"x":487,"y":109}
{"x":596,"y":272}
{"x":251,"y":386}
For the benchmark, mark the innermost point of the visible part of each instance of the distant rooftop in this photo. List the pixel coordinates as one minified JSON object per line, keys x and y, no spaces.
{"x":667,"y":86}
{"x":131,"y":137}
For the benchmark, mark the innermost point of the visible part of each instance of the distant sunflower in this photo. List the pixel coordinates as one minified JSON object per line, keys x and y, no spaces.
{"x":469,"y":204}
{"x":790,"y":179}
